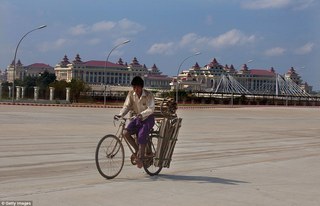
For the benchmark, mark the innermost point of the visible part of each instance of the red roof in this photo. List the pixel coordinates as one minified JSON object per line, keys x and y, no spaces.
{"x":158,"y":77}
{"x":261,"y":72}
{"x":95,"y":63}
{"x":39,"y":65}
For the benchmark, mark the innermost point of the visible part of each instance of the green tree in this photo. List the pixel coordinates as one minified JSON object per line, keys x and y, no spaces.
{"x":77,"y":86}
{"x":29,"y":83}
{"x":5,"y":89}
{"x":43,"y":82}
{"x":60,"y":89}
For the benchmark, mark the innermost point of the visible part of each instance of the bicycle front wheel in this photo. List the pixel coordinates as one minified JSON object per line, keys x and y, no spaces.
{"x":109,"y":156}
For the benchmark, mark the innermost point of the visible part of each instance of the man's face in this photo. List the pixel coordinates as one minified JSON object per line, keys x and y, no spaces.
{"x":137,"y":90}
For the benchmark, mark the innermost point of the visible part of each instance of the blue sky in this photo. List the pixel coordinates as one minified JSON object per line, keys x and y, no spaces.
{"x":272,"y":33}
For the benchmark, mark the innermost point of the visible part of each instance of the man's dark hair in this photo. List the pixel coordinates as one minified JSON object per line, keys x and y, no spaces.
{"x":137,"y":81}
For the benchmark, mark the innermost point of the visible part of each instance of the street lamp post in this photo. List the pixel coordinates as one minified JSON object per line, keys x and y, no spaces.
{"x":249,"y":61}
{"x":105,"y":68}
{"x":177,"y":86}
{"x":15,"y":56}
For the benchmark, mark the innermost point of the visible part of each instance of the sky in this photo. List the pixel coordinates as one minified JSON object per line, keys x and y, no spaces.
{"x":273,"y":33}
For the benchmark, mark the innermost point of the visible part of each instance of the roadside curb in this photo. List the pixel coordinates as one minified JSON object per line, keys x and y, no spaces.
{"x":60,"y":105}
{"x":97,"y":106}
{"x":120,"y":105}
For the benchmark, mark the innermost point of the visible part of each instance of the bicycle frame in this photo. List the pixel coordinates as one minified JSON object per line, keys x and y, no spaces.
{"x":120,"y":134}
{"x":121,"y":128}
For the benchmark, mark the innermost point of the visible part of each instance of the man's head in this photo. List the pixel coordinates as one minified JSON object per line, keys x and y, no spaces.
{"x":137,"y":83}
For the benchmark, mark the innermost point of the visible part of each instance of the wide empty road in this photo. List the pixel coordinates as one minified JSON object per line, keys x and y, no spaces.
{"x":224,"y":156}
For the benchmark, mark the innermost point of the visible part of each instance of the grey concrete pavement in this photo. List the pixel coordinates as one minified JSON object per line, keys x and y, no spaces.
{"x":224,"y":156}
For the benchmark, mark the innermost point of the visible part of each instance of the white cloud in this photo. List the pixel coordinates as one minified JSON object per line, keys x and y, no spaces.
{"x":305,"y":49}
{"x":98,"y":33}
{"x":78,"y":30}
{"x":232,"y":38}
{"x":303,"y":4}
{"x":121,"y":27}
{"x":162,"y":48}
{"x":103,"y":26}
{"x":276,"y":51}
{"x":265,"y":4}
{"x":195,"y":42}
{"x":58,"y":44}
{"x":276,"y":4}
{"x":187,"y":39}
{"x":129,"y":27}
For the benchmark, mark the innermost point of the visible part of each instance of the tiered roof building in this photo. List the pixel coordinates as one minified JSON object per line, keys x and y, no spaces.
{"x":96,"y":72}
{"x":196,"y":78}
{"x":208,"y":78}
{"x":22,"y":71}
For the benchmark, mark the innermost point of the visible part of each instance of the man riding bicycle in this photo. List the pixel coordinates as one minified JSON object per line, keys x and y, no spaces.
{"x":141,"y":102}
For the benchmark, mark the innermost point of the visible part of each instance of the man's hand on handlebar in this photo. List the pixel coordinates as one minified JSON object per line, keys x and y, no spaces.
{"x":117,"y":117}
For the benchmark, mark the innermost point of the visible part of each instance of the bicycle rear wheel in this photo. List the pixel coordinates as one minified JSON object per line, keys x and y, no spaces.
{"x":148,"y":163}
{"x":109,"y":156}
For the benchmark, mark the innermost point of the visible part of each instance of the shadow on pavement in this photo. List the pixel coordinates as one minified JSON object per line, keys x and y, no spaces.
{"x":200,"y":179}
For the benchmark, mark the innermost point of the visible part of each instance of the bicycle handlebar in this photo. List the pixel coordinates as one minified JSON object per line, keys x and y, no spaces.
{"x":117,"y":118}
{"x":123,"y":119}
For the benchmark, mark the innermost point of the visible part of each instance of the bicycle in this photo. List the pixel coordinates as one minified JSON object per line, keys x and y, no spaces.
{"x":110,"y":153}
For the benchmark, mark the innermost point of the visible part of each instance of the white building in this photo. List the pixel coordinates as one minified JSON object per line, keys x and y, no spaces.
{"x":23,"y":71}
{"x":210,"y":78}
{"x":95,"y":72}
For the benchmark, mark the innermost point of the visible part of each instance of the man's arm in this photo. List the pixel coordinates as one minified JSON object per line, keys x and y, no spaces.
{"x":126,"y":106}
{"x":150,"y":106}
